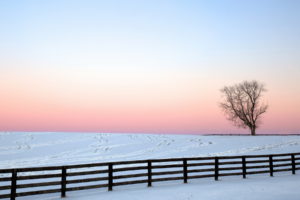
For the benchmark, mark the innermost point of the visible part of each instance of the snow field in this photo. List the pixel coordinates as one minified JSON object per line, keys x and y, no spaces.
{"x":51,"y":149}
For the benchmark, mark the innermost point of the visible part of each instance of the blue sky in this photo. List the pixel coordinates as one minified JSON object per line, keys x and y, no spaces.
{"x":197,"y":46}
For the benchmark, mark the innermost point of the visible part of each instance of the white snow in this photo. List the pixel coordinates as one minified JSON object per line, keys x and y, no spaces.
{"x":46,"y":149}
{"x":255,"y":188}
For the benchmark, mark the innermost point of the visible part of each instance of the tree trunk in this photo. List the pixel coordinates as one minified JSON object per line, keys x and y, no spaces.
{"x":252,"y":130}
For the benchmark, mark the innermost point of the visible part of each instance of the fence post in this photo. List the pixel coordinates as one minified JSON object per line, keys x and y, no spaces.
{"x":293,"y":164}
{"x":13,"y":184}
{"x":63,"y":181}
{"x":244,"y":166}
{"x":185,"y":173}
{"x":216,"y":168}
{"x":110,"y":176}
{"x":271,"y":164}
{"x":149,"y":173}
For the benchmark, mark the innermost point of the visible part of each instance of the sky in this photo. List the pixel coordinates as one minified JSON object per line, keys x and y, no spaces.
{"x":145,"y":66}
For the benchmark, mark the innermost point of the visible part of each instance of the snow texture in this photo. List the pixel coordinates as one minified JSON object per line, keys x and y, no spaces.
{"x":51,"y":149}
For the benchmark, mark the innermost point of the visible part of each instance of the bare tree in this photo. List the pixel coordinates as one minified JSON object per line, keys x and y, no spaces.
{"x":242,"y":104}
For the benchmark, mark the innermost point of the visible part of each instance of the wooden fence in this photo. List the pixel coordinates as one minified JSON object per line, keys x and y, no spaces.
{"x":61,"y":179}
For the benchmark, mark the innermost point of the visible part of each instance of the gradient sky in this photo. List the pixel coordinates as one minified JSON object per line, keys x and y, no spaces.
{"x":151,"y":66}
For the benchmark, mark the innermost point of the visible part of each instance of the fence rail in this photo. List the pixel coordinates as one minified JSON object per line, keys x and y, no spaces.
{"x":61,"y":179}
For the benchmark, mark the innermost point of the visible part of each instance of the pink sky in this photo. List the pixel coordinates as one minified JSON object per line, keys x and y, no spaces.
{"x":49,"y":100}
{"x":145,"y":66}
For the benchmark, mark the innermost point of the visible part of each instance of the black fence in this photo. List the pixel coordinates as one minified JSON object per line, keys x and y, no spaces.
{"x":61,"y":179}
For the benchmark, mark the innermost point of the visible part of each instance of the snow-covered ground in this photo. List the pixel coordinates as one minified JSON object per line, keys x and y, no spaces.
{"x":44,"y":149}
{"x":282,"y":187}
